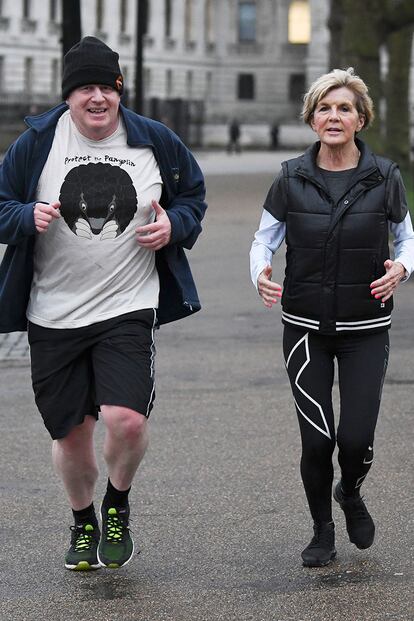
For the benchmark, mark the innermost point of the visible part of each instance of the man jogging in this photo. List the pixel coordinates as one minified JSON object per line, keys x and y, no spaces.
{"x":96,"y":206}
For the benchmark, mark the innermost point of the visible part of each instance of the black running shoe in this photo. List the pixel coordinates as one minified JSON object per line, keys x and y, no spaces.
{"x":82,"y":554}
{"x":321,"y":550}
{"x":359,"y":523}
{"x":116,"y":546}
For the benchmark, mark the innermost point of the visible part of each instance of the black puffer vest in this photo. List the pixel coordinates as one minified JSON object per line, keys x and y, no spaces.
{"x":335,"y":250}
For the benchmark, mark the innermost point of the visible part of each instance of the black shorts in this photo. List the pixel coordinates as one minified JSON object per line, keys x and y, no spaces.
{"x":75,"y":371}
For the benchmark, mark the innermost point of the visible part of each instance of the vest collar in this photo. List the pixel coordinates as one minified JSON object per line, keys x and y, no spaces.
{"x":307,"y":163}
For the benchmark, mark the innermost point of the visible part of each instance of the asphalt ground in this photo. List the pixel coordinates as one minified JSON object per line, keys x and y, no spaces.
{"x":218,"y":510}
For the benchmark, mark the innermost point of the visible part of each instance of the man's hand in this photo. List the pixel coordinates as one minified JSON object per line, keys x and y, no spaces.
{"x":269,"y":291}
{"x":384,"y":287}
{"x":158,"y":234}
{"x":44,"y":213}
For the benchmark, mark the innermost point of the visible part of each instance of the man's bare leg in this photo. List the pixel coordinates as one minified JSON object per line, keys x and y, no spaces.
{"x":126,"y":441}
{"x":74,"y":461}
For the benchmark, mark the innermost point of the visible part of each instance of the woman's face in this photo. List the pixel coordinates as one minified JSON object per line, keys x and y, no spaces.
{"x":336,"y":119}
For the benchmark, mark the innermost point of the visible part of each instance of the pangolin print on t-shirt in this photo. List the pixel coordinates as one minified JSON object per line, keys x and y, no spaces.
{"x":98,"y":201}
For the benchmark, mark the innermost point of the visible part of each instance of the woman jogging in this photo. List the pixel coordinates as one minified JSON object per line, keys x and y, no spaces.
{"x":334,"y":206}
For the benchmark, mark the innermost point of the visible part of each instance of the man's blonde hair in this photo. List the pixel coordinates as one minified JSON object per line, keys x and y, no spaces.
{"x":338,"y":78}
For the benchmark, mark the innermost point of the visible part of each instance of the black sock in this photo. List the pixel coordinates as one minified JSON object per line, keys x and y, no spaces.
{"x":114,"y":497}
{"x":85,"y":516}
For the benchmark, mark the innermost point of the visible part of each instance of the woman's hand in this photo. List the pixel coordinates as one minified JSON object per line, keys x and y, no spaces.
{"x":384,"y":287}
{"x":269,"y":291}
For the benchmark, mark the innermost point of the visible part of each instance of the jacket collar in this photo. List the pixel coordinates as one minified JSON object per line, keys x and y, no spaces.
{"x":46,"y":120}
{"x":137,"y":127}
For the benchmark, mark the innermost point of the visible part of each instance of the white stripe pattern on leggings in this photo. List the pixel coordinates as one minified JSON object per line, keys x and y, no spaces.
{"x":322,"y":429}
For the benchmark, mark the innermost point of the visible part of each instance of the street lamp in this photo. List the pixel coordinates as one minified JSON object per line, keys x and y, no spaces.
{"x":142,"y":16}
{"x":71,"y":24}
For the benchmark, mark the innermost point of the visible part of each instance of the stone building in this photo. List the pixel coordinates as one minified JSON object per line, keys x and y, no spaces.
{"x":208,"y":60}
{"x":205,"y":61}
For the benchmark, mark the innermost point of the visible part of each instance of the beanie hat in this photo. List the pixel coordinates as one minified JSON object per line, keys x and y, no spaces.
{"x":91,"y":61}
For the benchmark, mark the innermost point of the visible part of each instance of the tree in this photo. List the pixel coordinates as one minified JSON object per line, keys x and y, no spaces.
{"x":397,"y":139}
{"x":360,"y":33}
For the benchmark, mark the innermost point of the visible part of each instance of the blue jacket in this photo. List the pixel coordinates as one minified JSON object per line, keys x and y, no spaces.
{"x":182,"y":196}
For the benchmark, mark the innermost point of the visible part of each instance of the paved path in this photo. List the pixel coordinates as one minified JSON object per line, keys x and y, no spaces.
{"x":218,"y":510}
{"x":14,"y":349}
{"x":245,"y":163}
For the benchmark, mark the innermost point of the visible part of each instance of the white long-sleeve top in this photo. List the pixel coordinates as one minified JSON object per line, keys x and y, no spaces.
{"x":271,"y":234}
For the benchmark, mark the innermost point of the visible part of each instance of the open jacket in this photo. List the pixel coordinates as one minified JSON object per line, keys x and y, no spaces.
{"x":335,"y":249}
{"x":182,"y":197}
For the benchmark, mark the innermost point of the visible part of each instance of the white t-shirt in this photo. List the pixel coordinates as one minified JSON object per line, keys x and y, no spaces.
{"x":88,"y":266}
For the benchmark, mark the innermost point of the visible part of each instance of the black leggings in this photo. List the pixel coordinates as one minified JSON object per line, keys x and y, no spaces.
{"x":362,"y":363}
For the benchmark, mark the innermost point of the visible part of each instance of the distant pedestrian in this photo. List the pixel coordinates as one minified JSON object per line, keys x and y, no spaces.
{"x":234,"y":137}
{"x":274,"y":137}
{"x":335,"y":206}
{"x":97,"y":205}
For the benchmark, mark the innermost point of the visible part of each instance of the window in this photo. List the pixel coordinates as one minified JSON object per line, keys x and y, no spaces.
{"x":55,"y":77}
{"x":297,"y":87}
{"x":147,"y":14}
{"x":28,"y":23}
{"x":4,"y":21}
{"x":299,"y":29}
{"x":188,"y":26}
{"x":189,"y":84}
{"x":168,"y":87}
{"x":123,"y":15}
{"x":209,"y":22}
{"x":53,"y":11}
{"x":209,"y":84}
{"x":245,"y":86}
{"x":1,"y":74}
{"x":147,"y":80}
{"x":99,"y":14}
{"x":26,"y":9}
{"x":28,"y":75}
{"x":168,"y":17}
{"x":247,"y":21}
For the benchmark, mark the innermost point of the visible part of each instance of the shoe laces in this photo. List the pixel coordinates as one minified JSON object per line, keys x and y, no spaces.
{"x":82,"y":537}
{"x":357,"y":508}
{"x":322,"y":538}
{"x":116,"y":526}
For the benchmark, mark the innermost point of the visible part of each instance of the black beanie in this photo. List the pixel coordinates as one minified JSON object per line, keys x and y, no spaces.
{"x":91,"y":62}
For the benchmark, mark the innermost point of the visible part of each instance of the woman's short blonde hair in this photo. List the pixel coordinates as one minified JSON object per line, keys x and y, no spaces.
{"x":336,"y":79}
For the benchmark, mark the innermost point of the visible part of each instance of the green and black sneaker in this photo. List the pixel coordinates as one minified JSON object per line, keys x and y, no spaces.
{"x":116,"y":546}
{"x":82,"y":554}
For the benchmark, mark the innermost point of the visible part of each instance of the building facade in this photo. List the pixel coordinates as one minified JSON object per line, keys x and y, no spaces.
{"x":223,"y":58}
{"x":205,"y":61}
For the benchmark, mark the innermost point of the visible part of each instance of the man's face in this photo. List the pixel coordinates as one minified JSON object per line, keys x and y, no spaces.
{"x":94,"y":110}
